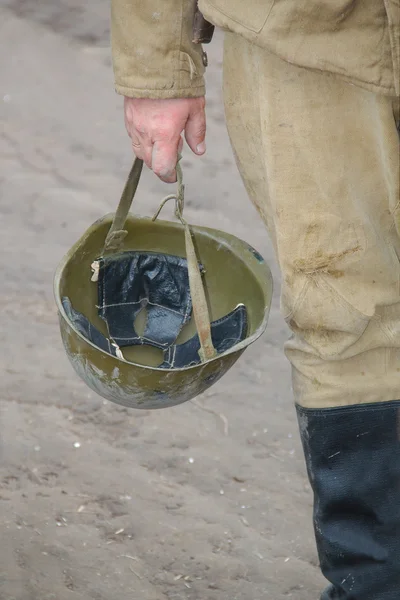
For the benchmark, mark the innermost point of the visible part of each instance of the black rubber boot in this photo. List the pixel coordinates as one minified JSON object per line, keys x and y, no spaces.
{"x":353,"y":463}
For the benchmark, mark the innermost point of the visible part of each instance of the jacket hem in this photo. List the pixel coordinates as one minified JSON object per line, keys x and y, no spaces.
{"x":160,"y":93}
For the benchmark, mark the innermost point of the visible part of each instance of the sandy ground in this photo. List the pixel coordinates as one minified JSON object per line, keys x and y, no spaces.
{"x":206,"y":501}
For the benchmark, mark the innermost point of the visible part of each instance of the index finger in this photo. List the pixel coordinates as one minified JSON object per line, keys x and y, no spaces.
{"x":164,"y":159}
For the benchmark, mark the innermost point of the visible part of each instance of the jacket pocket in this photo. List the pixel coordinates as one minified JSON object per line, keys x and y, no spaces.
{"x":251,"y":17}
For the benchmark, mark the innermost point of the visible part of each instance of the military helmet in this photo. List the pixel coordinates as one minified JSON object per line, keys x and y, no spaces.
{"x":151,"y":312}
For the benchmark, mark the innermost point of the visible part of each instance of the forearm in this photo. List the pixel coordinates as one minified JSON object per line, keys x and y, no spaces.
{"x":152,"y":48}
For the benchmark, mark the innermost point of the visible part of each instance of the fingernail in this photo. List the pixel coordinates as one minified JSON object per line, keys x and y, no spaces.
{"x":201,"y":148}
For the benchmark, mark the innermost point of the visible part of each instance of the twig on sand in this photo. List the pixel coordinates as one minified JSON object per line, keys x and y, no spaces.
{"x":213,"y":412}
{"x":134,"y":572}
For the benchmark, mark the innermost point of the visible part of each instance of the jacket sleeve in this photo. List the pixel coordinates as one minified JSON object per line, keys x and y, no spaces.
{"x":152,"y":49}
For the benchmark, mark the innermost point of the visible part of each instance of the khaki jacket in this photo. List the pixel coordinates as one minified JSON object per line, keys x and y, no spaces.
{"x":154,"y":56}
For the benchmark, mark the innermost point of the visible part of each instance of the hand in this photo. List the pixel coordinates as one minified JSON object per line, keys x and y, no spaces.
{"x":155,"y":128}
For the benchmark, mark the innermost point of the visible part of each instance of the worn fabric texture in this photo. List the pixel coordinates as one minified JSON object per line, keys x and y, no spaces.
{"x":154,"y":56}
{"x":152,"y":49}
{"x":320,"y":160}
{"x":357,"y":39}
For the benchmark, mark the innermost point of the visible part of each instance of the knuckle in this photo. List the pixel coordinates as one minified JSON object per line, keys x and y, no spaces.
{"x":142,"y":128}
{"x":165,"y":127}
{"x":165,"y":132}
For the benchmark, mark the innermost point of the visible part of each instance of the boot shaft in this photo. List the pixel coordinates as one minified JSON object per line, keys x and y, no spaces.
{"x":353,"y":463}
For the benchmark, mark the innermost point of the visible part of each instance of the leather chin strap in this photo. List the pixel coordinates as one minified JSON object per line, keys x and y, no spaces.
{"x":117,"y":234}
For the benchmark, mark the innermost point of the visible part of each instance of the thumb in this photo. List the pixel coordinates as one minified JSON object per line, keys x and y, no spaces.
{"x":195,"y":131}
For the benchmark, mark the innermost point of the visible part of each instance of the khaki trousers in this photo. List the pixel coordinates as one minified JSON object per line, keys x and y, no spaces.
{"x":320,"y":160}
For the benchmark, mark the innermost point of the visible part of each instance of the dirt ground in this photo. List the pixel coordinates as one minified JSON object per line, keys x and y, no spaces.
{"x":206,"y":501}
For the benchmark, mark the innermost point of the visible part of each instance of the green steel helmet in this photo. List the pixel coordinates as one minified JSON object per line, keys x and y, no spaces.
{"x":152,"y":313}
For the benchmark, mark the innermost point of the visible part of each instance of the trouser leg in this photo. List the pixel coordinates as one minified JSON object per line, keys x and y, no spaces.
{"x":320,"y":160}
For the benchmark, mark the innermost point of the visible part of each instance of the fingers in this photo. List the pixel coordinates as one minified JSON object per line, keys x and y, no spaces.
{"x":160,"y":156}
{"x":136,"y":145}
{"x":142,"y":148}
{"x":195,"y":130}
{"x":165,"y":157}
{"x":155,"y":128}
